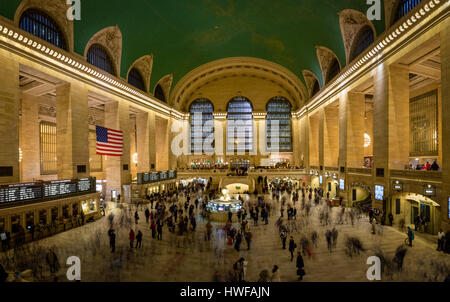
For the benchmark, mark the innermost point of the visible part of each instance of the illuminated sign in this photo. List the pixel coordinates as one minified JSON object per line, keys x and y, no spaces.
{"x":429,"y":190}
{"x":320,"y":179}
{"x":448,"y":207}
{"x":379,"y":192}
{"x":397,"y":186}
{"x":341,"y":184}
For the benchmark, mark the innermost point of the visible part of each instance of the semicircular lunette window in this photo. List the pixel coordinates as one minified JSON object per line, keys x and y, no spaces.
{"x":363,"y":40}
{"x":240,"y":125}
{"x":99,"y":57}
{"x":278,"y":127}
{"x":202,"y":127}
{"x":41,"y":25}
{"x":135,"y":79}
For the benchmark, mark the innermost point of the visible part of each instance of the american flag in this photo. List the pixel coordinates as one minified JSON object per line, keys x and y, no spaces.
{"x":109,"y":142}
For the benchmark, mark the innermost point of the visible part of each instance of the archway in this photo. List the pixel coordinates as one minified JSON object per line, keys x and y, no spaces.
{"x":405,"y":207}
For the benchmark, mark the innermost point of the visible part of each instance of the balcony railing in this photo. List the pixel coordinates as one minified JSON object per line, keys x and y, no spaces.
{"x":413,"y":174}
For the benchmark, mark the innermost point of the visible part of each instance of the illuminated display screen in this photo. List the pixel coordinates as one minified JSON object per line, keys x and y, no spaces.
{"x":20,"y":192}
{"x":341,"y":184}
{"x":448,"y":208}
{"x":320,"y":179}
{"x":60,"y":187}
{"x":379,"y":192}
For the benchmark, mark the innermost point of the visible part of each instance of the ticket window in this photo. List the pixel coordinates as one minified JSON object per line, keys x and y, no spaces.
{"x":89,"y":206}
{"x":54,"y":214}
{"x":65,"y":210}
{"x":75,"y":210}
{"x":29,"y":220}
{"x":15,"y":223}
{"x":43,"y":217}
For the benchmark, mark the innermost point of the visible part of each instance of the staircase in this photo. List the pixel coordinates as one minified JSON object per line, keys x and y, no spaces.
{"x":364,"y":205}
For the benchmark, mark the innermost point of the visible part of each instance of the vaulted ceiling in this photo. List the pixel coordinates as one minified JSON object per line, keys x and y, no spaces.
{"x":185,"y":34}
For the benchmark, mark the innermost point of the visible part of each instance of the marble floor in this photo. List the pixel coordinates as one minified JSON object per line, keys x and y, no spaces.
{"x":190,"y":258}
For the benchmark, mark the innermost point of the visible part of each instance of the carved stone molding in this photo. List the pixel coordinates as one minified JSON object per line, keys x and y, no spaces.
{"x":111,"y":39}
{"x":145,"y":66}
{"x":166,"y":85}
{"x":96,"y":117}
{"x":57,"y":9}
{"x":351,"y":22}
{"x":310,"y":79}
{"x":325,"y":57}
{"x":389,"y":11}
{"x":47,"y":110}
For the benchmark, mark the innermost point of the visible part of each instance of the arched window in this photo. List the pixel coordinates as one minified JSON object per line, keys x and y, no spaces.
{"x":334,"y":70}
{"x":42,"y":26}
{"x":278,"y":126}
{"x":363,"y":40}
{"x":404,"y":7}
{"x":316,"y":88}
{"x":135,"y":79}
{"x":99,"y":57}
{"x":159,"y":93}
{"x":202,"y":126}
{"x":240,"y":125}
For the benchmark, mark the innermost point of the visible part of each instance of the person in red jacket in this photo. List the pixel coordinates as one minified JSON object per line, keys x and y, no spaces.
{"x":132,"y":236}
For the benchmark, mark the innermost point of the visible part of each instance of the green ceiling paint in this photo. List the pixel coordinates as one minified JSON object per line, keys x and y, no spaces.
{"x":184,"y":34}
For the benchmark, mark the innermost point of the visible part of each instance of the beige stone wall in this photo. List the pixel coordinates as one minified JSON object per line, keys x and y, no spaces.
{"x":331,"y":137}
{"x":29,"y":138}
{"x":72,"y":130}
{"x":9,"y":115}
{"x":314,"y":141}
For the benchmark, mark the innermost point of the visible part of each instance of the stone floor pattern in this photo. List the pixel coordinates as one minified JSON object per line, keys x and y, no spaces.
{"x":190,"y":258}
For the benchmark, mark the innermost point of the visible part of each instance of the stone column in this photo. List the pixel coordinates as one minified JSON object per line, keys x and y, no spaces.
{"x":172,"y":165}
{"x":9,"y":118}
{"x":314,"y":141}
{"x":152,"y":140}
{"x":117,"y":117}
{"x":321,"y":144}
{"x":295,"y":141}
{"x":72,"y":130}
{"x":220,"y":136}
{"x":445,"y":74}
{"x":391,"y":117}
{"x":143,"y":138}
{"x":162,"y":145}
{"x":331,"y":137}
{"x":304,"y":142}
{"x":29,"y":138}
{"x":355,"y":130}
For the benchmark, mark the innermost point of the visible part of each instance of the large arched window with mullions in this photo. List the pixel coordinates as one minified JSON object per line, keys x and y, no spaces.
{"x":42,"y":26}
{"x":202,"y":127}
{"x":135,"y":79}
{"x":363,"y":40}
{"x":99,"y":57}
{"x":278,"y":125}
{"x":404,"y":7}
{"x":239,"y":126}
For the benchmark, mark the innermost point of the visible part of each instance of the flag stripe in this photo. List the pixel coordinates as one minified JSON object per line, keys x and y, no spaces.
{"x":109,"y":142}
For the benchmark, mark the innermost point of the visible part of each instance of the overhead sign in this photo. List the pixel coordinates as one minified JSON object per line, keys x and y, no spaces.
{"x":379,"y":192}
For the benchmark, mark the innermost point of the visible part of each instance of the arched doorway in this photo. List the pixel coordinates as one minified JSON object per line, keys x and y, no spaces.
{"x":331,"y":187}
{"x":405,"y":207}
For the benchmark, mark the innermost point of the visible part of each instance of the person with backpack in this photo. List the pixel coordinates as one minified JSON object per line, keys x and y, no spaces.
{"x":139,"y":239}
{"x":410,"y":236}
{"x":292,"y":247}
{"x":300,"y":266}
{"x":283,"y":237}
{"x":131,"y":236}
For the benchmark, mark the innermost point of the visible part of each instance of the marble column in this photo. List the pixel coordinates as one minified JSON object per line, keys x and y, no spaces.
{"x":445,"y":74}
{"x":9,"y":118}
{"x":331,"y":137}
{"x":117,"y":117}
{"x":29,"y":138}
{"x":72,"y":130}
{"x":143,"y":138}
{"x":314,"y":141}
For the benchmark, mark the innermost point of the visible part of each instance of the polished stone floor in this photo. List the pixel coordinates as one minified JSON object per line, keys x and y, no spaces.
{"x":190,"y":258}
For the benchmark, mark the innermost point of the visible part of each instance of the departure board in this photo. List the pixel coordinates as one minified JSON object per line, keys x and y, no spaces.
{"x":84,"y":185}
{"x":20,"y":192}
{"x":163,"y":175}
{"x":146,"y":177}
{"x":154,"y":177}
{"x":172,"y":174}
{"x":60,"y":187}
